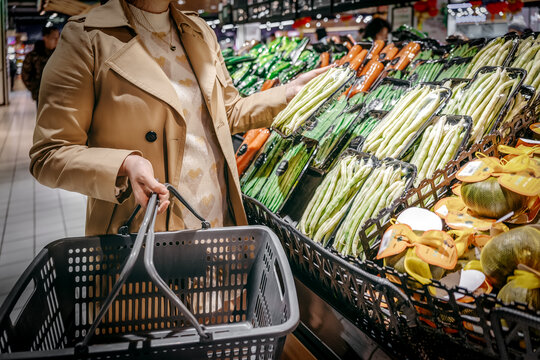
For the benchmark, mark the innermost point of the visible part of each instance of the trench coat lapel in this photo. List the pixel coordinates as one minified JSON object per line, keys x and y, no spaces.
{"x":133,"y":63}
{"x":200,"y":55}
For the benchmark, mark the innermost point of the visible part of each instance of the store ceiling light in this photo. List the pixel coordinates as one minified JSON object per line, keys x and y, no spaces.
{"x":368,"y":18}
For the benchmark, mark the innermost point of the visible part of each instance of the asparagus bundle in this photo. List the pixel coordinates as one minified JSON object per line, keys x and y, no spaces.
{"x":438,"y":145}
{"x":400,"y":125}
{"x":284,"y":175}
{"x":333,"y":196}
{"x":310,"y":98}
{"x":383,"y":186}
{"x":483,"y":100}
{"x":528,"y":58}
{"x":493,"y":54}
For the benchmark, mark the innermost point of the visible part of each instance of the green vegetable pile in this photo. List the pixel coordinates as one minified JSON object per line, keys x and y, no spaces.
{"x":400,"y":126}
{"x":493,"y":54}
{"x":312,"y":95}
{"x":274,"y":180}
{"x":383,"y":186}
{"x":438,"y":145}
{"x":483,"y":100}
{"x":426,"y":71}
{"x":262,"y":62}
{"x":333,"y":196}
{"x":528,"y":58}
{"x":456,"y":69}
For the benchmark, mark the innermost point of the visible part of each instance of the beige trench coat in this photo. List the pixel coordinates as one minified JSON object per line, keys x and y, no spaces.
{"x":101,"y":93}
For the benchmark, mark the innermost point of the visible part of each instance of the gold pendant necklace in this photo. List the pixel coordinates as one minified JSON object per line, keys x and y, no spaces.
{"x":153,"y":30}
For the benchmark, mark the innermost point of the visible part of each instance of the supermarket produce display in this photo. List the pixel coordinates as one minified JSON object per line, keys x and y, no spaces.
{"x":262,"y":65}
{"x":370,"y":153}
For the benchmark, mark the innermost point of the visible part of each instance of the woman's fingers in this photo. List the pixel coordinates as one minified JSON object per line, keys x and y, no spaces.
{"x":143,"y":183}
{"x":163,"y":205}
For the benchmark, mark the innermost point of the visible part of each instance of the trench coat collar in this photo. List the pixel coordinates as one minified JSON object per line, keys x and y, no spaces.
{"x":115,"y":13}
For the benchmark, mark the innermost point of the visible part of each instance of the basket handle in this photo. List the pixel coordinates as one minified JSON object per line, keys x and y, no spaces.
{"x":158,"y":280}
{"x":124,"y":229}
{"x":146,"y":230}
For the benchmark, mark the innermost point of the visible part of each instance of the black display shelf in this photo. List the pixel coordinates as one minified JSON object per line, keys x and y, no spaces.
{"x":245,"y":11}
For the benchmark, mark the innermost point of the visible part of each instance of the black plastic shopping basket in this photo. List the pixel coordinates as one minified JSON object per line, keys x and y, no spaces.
{"x":212,"y":294}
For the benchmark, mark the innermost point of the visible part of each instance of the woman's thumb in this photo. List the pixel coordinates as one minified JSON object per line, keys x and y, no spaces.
{"x":157,"y":187}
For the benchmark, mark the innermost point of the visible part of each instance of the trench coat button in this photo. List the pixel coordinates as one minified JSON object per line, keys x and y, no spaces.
{"x":151,"y":136}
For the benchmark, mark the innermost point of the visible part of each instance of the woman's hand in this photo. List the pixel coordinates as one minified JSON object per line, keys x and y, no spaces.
{"x":141,"y":176}
{"x":297,"y":84}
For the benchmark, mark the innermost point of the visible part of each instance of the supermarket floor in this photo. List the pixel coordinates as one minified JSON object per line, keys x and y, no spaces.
{"x":31,"y":215}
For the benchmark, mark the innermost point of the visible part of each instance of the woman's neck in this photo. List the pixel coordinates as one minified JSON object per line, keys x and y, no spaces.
{"x":153,"y":6}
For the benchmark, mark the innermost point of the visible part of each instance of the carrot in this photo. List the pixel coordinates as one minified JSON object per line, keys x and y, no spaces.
{"x":405,"y":56}
{"x":358,"y":60}
{"x":268,"y":84}
{"x":367,"y":67}
{"x":388,"y":52}
{"x":355,"y":50}
{"x":370,"y":73}
{"x":351,"y":39}
{"x":376,"y":48}
{"x":251,"y":144}
{"x":325,"y":59}
{"x":348,"y":45}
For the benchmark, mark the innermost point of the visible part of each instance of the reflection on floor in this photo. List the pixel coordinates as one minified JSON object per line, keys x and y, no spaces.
{"x":31,"y":215}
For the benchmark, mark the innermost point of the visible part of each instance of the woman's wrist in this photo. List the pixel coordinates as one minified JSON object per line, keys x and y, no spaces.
{"x":123,"y":171}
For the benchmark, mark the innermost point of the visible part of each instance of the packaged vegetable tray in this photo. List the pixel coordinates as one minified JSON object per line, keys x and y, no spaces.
{"x":386,"y":93}
{"x":465,"y":49}
{"x":486,"y":329}
{"x":406,"y":121}
{"x":454,"y":68}
{"x":427,"y":71}
{"x":273,"y":181}
{"x":372,"y":205}
{"x":498,"y":52}
{"x":320,"y":91}
{"x":336,"y":136}
{"x":442,"y":141}
{"x":486,"y":98}
{"x":301,"y":196}
{"x":522,"y":102}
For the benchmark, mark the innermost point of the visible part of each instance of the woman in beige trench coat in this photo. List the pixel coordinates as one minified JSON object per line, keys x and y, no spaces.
{"x":111,"y":126}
